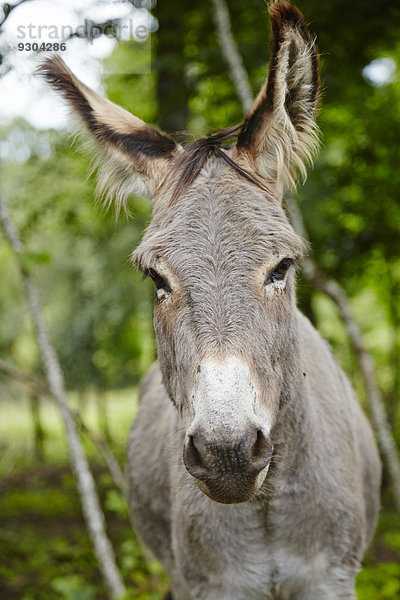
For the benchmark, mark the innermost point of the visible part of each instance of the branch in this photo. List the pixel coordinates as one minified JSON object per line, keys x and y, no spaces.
{"x":36,"y":386}
{"x":8,"y":8}
{"x":327,"y":286}
{"x":90,"y":503}
{"x":113,"y":466}
{"x":230,"y":52}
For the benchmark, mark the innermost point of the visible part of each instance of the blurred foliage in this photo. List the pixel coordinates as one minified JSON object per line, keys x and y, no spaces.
{"x":80,"y":257}
{"x":43,"y":503}
{"x":98,"y":310}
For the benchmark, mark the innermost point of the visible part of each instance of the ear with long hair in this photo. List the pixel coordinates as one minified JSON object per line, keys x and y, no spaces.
{"x":280,"y":134}
{"x":132,"y":157}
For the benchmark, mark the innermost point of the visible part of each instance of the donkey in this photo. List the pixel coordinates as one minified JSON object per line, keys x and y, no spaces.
{"x":253,"y":472}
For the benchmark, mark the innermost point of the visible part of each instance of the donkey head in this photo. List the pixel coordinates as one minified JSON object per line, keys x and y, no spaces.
{"x":221,"y":254}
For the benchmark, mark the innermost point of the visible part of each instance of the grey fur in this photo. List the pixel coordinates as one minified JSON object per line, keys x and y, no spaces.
{"x":302,"y":536}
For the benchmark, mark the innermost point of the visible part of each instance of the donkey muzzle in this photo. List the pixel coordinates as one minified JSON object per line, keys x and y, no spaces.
{"x":227,"y":446}
{"x":228,"y":472}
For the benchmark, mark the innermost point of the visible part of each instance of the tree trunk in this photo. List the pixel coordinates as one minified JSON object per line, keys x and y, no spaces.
{"x":38,"y":431}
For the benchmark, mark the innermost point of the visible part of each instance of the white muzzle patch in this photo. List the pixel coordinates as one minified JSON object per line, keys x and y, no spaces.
{"x":225,"y":400}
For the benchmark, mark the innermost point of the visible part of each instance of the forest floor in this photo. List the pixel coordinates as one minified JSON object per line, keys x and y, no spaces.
{"x":45,"y":551}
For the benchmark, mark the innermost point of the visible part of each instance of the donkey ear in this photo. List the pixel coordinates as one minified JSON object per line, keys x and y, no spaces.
{"x":280,"y":133}
{"x":132,"y":157}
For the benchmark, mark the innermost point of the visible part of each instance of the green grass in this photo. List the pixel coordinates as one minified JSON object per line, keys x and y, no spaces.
{"x":45,"y":551}
{"x":16,"y":436}
{"x":380,"y":577}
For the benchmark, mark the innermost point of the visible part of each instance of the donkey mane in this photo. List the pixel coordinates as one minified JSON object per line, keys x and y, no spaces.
{"x":195,"y":155}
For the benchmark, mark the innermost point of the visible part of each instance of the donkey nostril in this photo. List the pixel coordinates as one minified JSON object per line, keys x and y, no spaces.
{"x":192,"y":457}
{"x":195,"y":454}
{"x":204,"y":460}
{"x":259,"y":444}
{"x":261,"y":451}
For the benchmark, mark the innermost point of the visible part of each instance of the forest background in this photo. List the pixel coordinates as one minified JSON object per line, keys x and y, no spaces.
{"x":99,"y":311}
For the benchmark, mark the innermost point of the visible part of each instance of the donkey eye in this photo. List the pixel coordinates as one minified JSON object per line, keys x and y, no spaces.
{"x":278,"y":274}
{"x":163,"y":289}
